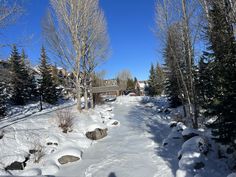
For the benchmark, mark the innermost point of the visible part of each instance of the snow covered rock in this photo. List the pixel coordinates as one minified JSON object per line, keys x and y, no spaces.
{"x":115,"y":123}
{"x":189,"y":133}
{"x":199,"y":165}
{"x":232,"y":175}
{"x":172,"y":124}
{"x":97,"y":134}
{"x":175,"y":135}
{"x":16,"y":166}
{"x":67,"y":159}
{"x":149,"y":105}
{"x":192,"y":154}
{"x":183,"y":173}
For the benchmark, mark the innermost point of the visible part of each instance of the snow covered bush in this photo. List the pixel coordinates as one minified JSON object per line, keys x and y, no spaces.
{"x":38,"y":152}
{"x":65,"y":120}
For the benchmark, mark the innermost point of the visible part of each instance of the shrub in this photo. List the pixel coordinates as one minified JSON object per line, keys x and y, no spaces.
{"x":65,"y":120}
{"x":38,"y":152}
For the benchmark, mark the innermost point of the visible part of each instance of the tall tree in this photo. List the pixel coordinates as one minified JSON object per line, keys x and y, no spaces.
{"x":159,"y":80}
{"x":152,"y":81}
{"x":29,"y":81}
{"x":173,"y":66}
{"x":47,"y":88}
{"x":72,"y":30}
{"x":223,"y":44}
{"x":122,"y":79}
{"x":186,"y":15}
{"x":18,"y":88}
{"x":3,"y":97}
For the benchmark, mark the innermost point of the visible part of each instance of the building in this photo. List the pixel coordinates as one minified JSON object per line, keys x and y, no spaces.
{"x":141,"y":86}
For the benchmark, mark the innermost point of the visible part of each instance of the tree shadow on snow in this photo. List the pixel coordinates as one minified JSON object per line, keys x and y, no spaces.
{"x":156,"y":124}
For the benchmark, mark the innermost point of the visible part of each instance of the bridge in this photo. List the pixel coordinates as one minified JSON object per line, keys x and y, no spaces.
{"x":114,"y":89}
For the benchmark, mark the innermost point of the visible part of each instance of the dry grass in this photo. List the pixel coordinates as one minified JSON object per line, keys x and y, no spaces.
{"x":65,"y":120}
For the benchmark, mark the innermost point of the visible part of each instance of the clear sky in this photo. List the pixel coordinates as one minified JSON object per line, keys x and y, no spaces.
{"x":130,"y":25}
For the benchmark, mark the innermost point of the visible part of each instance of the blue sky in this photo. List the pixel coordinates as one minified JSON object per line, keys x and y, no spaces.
{"x":130,"y":24}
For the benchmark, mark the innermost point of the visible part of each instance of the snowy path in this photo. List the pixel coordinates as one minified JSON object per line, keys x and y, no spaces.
{"x":131,"y":150}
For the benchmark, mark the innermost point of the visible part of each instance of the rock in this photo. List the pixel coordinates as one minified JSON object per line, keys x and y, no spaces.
{"x":97,"y":134}
{"x":16,"y":166}
{"x":167,"y":111}
{"x":189,"y":136}
{"x":232,"y":175}
{"x":33,"y":151}
{"x":179,"y":156}
{"x":164,"y":144}
{"x":199,"y":165}
{"x":172,"y":124}
{"x":115,"y":123}
{"x":67,"y":159}
{"x":188,"y":133}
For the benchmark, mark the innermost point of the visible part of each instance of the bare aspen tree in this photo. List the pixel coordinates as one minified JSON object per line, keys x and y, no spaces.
{"x":182,"y":12}
{"x":95,"y":53}
{"x":123,"y":77}
{"x":70,"y":30}
{"x":9,"y":13}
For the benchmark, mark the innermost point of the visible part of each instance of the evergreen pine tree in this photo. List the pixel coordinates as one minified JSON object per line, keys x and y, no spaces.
{"x":18,"y":92}
{"x":152,"y":81}
{"x":3,"y":97}
{"x":223,"y":45}
{"x":205,"y":81}
{"x":130,"y":84}
{"x":29,"y":82}
{"x":159,"y":80}
{"x":47,"y":88}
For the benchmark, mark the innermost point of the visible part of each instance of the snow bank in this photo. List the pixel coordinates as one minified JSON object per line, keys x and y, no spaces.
{"x":40,"y":135}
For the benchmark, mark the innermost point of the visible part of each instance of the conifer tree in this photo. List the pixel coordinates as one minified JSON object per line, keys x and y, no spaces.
{"x":47,"y":88}
{"x":18,"y":92}
{"x":29,"y":83}
{"x":223,"y":45}
{"x":3,"y":97}
{"x":130,"y":84}
{"x":159,"y":87}
{"x":152,"y":81}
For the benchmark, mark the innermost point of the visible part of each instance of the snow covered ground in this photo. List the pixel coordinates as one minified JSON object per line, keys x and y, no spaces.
{"x":142,"y":144}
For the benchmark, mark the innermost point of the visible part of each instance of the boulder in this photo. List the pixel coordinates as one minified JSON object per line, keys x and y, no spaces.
{"x":199,"y":165}
{"x":115,"y":123}
{"x":33,"y":151}
{"x":97,"y":134}
{"x":16,"y":166}
{"x":167,"y":111}
{"x":188,"y":133}
{"x":67,"y":159}
{"x":172,"y":124}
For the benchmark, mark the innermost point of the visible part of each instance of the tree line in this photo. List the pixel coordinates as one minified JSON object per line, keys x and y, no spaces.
{"x":75,"y":34}
{"x":20,"y":86}
{"x":208,"y":85}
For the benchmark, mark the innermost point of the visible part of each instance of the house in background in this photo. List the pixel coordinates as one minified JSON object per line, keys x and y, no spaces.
{"x":141,"y":86}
